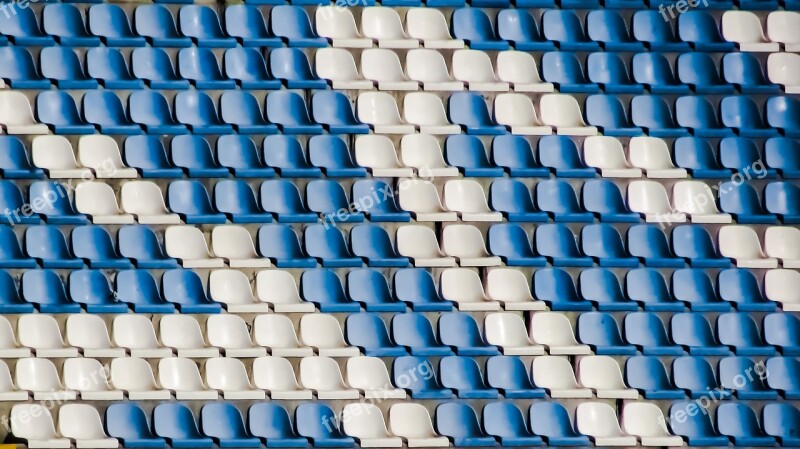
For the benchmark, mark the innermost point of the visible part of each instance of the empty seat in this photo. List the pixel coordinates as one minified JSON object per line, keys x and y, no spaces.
{"x":429,"y":68}
{"x":377,"y":153}
{"x":604,"y":376}
{"x":327,"y":245}
{"x":650,"y":199}
{"x":202,"y":25}
{"x":91,"y":289}
{"x":565,"y":28}
{"x":249,"y":69}
{"x":563,"y":113}
{"x":554,"y":331}
{"x":38,"y":430}
{"x":461,"y":332}
{"x":426,"y":112}
{"x":176,"y":423}
{"x":516,"y":112}
{"x":693,"y":242}
{"x":470,"y":111}
{"x":281,"y":245}
{"x":609,"y":28}
{"x":62,"y":67}
{"x":742,"y":244}
{"x":744,"y":28}
{"x":745,"y":378}
{"x":466,"y":244}
{"x":739,"y":331}
{"x":474,"y":27}
{"x":276,"y":375}
{"x":555,"y":287}
{"x":39,"y":376}
{"x":324,"y":333}
{"x":292,"y":24}
{"x":551,"y":421}
{"x":185,"y":289}
{"x":599,"y":421}
{"x":229,"y":375}
{"x":508,"y":331}
{"x":230,"y":332}
{"x":231,"y":288}
{"x":510,"y":288}
{"x":695,"y":429}
{"x":323,"y":288}
{"x":600,"y":331}
{"x":190,"y":200}
{"x":505,"y":421}
{"x":423,"y":24}
{"x":24,"y":29}
{"x":313,"y":422}
{"x":519,"y":69}
{"x":328,"y":198}
{"x":647,"y":422}
{"x":88,"y":377}
{"x":271,"y":422}
{"x":693,"y":287}
{"x":16,"y":114}
{"x":380,"y":111}
{"x":460,"y":424}
{"x":648,"y":375}
{"x":696,"y":200}
{"x":414,"y":331}
{"x":151,"y":110}
{"x":699,"y":71}
{"x":475,"y":69}
{"x":66,"y":23}
{"x":277,"y":333}
{"x":323,"y":376}
{"x":282,"y":198}
{"x":383,"y":67}
{"x":135,"y":333}
{"x":45,"y":290}
{"x":188,"y":244}
{"x":183,"y":333}
{"x":415,"y":287}
{"x":413,"y":423}
{"x":42,"y":334}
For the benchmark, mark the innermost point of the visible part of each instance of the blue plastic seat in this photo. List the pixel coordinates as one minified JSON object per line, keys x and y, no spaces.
{"x":469,"y":110}
{"x":201,"y":23}
{"x":741,"y":201}
{"x":458,"y":422}
{"x":91,"y":289}
{"x":696,"y":429}
{"x":155,"y":67}
{"x":193,"y":155}
{"x":241,"y":110}
{"x":607,"y":113}
{"x":658,"y":34}
{"x":780,"y":421}
{"x":461,"y":332}
{"x":565,"y":28}
{"x":369,"y":333}
{"x":743,"y":115}
{"x":280,"y":244}
{"x":248,"y":67}
{"x":140,"y":244}
{"x":782,"y":330}
{"x":564,"y":70}
{"x":11,"y":255}
{"x":745,"y":72}
{"x":611,"y":72}
{"x":58,"y":110}
{"x":147,"y":155}
{"x":783,"y":113}
{"x":697,"y":378}
{"x":415,"y":333}
{"x":648,"y":375}
{"x":601,"y":287}
{"x":699,"y":71}
{"x":746,"y":378}
{"x":694,"y":243}
{"x":512,"y":244}
{"x":240,"y":155}
{"x":462,"y":375}
{"x":698,"y":158}
{"x":610,"y":29}
{"x":334,"y":111}
{"x":555,"y":287}
{"x":741,"y":288}
{"x":557,"y":243}
{"x":139,"y":290}
{"x":196,"y":110}
{"x":699,"y":115}
{"x":371,"y":289}
{"x":156,"y":24}
{"x":649,"y":243}
{"x":18,"y":69}
{"x":13,"y":206}
{"x":649,"y":289}
{"x":469,"y":155}
{"x":94,"y":245}
{"x":45,"y":290}
{"x":65,"y":23}
{"x":601,"y":333}
{"x":247,"y":25}
{"x":560,"y":154}
{"x":417,"y":376}
{"x":291,"y":23}
{"x":104,"y":110}
{"x":558,"y":199}
{"x":519,"y":28}
{"x":551,"y":421}
{"x":288,"y":110}
{"x":603,"y":243}
{"x":783,"y":199}
{"x":700,"y":29}
{"x":385,"y":210}
{"x":739,"y":331}
{"x":508,"y":375}
{"x":513,"y":199}
{"x":646,"y":331}
{"x":604,"y":199}
{"x":200,"y":66}
{"x":190,"y":200}
{"x":314,"y":421}
{"x":49,"y":247}
{"x":292,"y":67}
{"x":110,"y":23}
{"x":57,"y":211}
{"x":110,"y":69}
{"x":185,"y":289}
{"x":175,"y":423}
{"x":324,"y":288}
{"x":655,"y":72}
{"x":474,"y":27}
{"x":373,"y":244}
{"x":739,"y":422}
{"x":326,"y":244}
{"x":151,"y":110}
{"x":694,"y":333}
{"x":693,"y":287}
{"x":783,"y":156}
{"x":128,"y":423}
{"x":416,"y":288}
{"x":327,"y":198}
{"x":505,"y":422}
{"x":270,"y":422}
{"x":515,"y":155}
{"x":10,"y":301}
{"x":285,"y":154}
{"x":281,"y":198}
{"x":331,"y":154}
{"x":784,"y":376}
{"x":23,"y":29}
{"x":224,"y":424}
{"x":62,"y":67}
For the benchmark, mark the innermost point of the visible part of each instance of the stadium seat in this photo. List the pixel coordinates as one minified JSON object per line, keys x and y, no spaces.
{"x":14,"y":162}
{"x":565,"y":71}
{"x":109,"y":67}
{"x":740,"y":332}
{"x":566,"y":29}
{"x":417,"y":289}
{"x":327,"y":245}
{"x":601,"y":288}
{"x":23,"y":29}
{"x":272,"y":424}
{"x":777,"y":419}
{"x":231,"y":288}
{"x":646,"y":421}
{"x":141,"y":244}
{"x":460,"y":424}
{"x":280,"y":244}
{"x":696,"y":156}
{"x":648,"y":242}
{"x":36,"y":431}
{"x":190,"y":200}
{"x":371,"y":289}
{"x":293,"y":26}
{"x":648,"y":375}
{"x":745,"y":71}
{"x":182,"y":333}
{"x":188,"y":244}
{"x":176,"y":423}
{"x":324,"y":288}
{"x":151,"y":111}
{"x":139,"y":290}
{"x":563,"y":113}
{"x":507,"y":331}
{"x":339,"y":27}
{"x":513,"y":199}
{"x":373,"y":244}
{"x":697,"y":201}
{"x":603,"y":243}
{"x":197,"y":111}
{"x":322,"y":375}
{"x":601,"y":333}
{"x":515,"y":155}
{"x":386,"y":210}
{"x":58,"y":211}
{"x":551,"y":421}
{"x":779,"y":156}
{"x":610,"y":72}
{"x":744,"y":29}
{"x":383,"y":67}
{"x":185,"y":289}
{"x":518,"y":68}
{"x":91,"y":289}
{"x":474,"y":68}
{"x":658,"y":34}
{"x":41,"y":333}
{"x":517,"y":113}
{"x":697,"y":429}
{"x":745,"y":117}
{"x":509,"y":375}
{"x":324,"y":333}
{"x":279,"y":289}
{"x":599,"y":421}
{"x":78,"y":377}
{"x":654,"y":115}
{"x":555,"y":287}
{"x":781,"y":111}
{"x":699,"y":115}
{"x":694,"y":333}
{"x":66,"y":24}
{"x":154,"y":66}
{"x":606,"y":154}
{"x":469,"y":110}
{"x":225,"y":425}
{"x":328,"y":198}
{"x":506,"y":422}
{"x":558,"y":244}
{"x":610,"y":29}
{"x":745,"y":378}
{"x":277,"y":333}
{"x":475,"y":29}
{"x":200,"y":66}
{"x":276,"y":375}
{"x":414,"y":331}
{"x":425,"y":111}
{"x":554,"y":331}
{"x":332,"y":154}
{"x":313,"y":422}
{"x":648,"y":288}
{"x":49,"y":247}
{"x":700,"y":29}
{"x":558,"y":199}
{"x":555,"y":375}
{"x":741,"y":288}
{"x":248,"y":68}
{"x":12,"y":303}
{"x":369,"y":333}
{"x":604,"y":376}
{"x":62,"y":67}
{"x":784,"y":370}
{"x":231,"y":333}
{"x":104,"y":110}
{"x":696,"y":376}
{"x":693,"y":287}
{"x":413,"y":423}
{"x":110,"y":23}
{"x":699,"y":71}
{"x":779,"y":243}
{"x":281,"y":197}
{"x":603,"y":199}
{"x":742,"y":244}
{"x":462,"y":375}
{"x":694,"y":244}
{"x":369,"y":428}
{"x":429,"y":69}
{"x":56,"y":109}
{"x":202,"y":25}
{"x":247,"y":25}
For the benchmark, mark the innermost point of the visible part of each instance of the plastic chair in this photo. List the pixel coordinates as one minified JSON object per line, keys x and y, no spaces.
{"x":247,"y":67}
{"x":64,"y":69}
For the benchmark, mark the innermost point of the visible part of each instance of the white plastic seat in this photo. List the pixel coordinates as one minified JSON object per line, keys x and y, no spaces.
{"x":652,"y":156}
{"x":90,"y":379}
{"x":323,"y":332}
{"x":40,"y":377}
{"x":229,"y":376}
{"x":412,"y":422}
{"x":187,"y":244}
{"x":602,"y":374}
{"x":646,"y":421}
{"x":101,"y":154}
{"x":782,"y":27}
{"x":183,"y":333}
{"x":421,"y":198}
{"x":276,"y":375}
{"x":423,"y":153}
{"x":235,"y":244}
{"x":9,"y":348}
{"x":741,"y":243}
{"x":365,"y":423}
{"x":463,"y":287}
{"x":466,"y":243}
{"x":16,"y":115}
{"x":231,"y":288}
{"x":467,"y":198}
{"x":82,"y":423}
{"x":323,"y":376}
{"x":41,"y":333}
{"x":783,"y":242}
{"x":474,"y":68}
{"x":429,"y":68}
{"x":698,"y":202}
{"x":98,"y":200}
{"x":516,"y":111}
{"x":518,"y":68}
{"x":507,"y":330}
{"x":229,"y":332}
{"x":383,"y":25}
{"x":650,"y":199}
{"x":9,"y":391}
{"x":782,"y":68}
{"x":510,"y":288}
{"x":277,"y":333}
{"x":337,"y":66}
{"x":370,"y":376}
{"x":135,"y":376}
{"x":89,"y":332}
{"x":419,"y":243}
{"x":182,"y":376}
{"x":430,"y":27}
{"x":426,"y":111}
{"x":377,"y":153}
{"x":598,"y":420}
{"x":136,"y":334}
{"x":278,"y":288}
{"x":562,"y":112}
{"x":383,"y":67}
{"x":606,"y":154}
{"x":781,"y":286}
{"x":54,"y":154}
{"x":744,"y":28}
{"x":555,"y":331}
{"x":555,"y":375}
{"x":145,"y":200}
{"x":34,"y":424}
{"x":339,"y":26}
{"x":379,"y":110}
